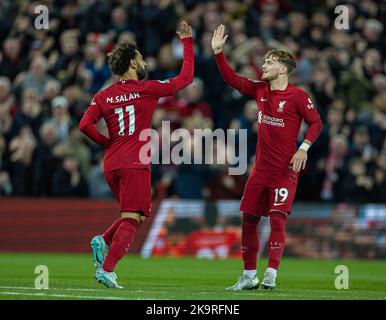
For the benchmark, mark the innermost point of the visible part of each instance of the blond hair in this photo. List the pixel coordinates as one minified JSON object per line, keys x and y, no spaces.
{"x":283,"y":57}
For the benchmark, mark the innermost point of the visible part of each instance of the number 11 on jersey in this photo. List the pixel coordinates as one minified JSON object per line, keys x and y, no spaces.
{"x":121,"y":121}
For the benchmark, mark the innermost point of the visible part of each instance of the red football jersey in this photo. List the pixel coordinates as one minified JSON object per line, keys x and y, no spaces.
{"x":127,"y":107}
{"x":280,"y":113}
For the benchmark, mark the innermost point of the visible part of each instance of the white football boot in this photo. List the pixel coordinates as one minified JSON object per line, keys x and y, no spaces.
{"x":269,"y":281}
{"x":245,"y":283}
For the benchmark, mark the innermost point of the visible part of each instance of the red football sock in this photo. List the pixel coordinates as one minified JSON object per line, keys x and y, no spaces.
{"x":121,"y":243}
{"x":276,"y":240}
{"x":249,"y":241}
{"x":109,"y":233}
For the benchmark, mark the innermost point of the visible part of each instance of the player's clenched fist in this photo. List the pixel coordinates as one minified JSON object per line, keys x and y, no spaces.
{"x":219,"y":39}
{"x":185,"y":30}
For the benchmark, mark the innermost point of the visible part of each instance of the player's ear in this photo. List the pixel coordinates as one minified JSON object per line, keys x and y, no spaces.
{"x":284,"y":69}
{"x":133,"y":63}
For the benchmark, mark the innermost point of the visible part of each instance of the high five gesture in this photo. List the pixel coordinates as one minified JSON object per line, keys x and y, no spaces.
{"x":219,"y":39}
{"x":185,"y":30}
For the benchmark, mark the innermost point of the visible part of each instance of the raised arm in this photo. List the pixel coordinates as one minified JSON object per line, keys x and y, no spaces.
{"x":185,"y":77}
{"x":242,"y":84}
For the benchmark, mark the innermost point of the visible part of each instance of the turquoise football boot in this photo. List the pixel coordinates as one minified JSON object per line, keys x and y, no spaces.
{"x":99,"y":250}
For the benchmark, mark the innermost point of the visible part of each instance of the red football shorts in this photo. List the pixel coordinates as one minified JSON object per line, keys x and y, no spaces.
{"x":131,"y":188}
{"x":266,"y":191}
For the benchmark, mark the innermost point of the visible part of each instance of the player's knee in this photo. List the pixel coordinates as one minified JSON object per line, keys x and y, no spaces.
{"x":250,"y":218}
{"x":277,"y":220}
{"x":132,"y":215}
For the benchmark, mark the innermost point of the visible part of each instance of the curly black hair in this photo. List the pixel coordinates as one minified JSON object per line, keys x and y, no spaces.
{"x":119,"y":59}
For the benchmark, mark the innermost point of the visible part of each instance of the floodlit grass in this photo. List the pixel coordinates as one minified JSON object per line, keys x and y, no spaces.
{"x":71,"y":277}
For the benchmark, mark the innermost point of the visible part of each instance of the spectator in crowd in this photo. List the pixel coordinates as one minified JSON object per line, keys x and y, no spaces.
{"x":379,"y":194}
{"x":11,"y":59}
{"x":5,"y":181}
{"x":66,"y":64}
{"x":31,"y":112}
{"x":21,"y":167}
{"x":36,"y":77}
{"x":223,"y":185}
{"x":191,"y":100}
{"x":119,"y":19}
{"x":361,"y":146}
{"x":68,"y":179}
{"x":78,"y":148}
{"x":97,"y":185}
{"x":338,"y":151}
{"x":7,"y":127}
{"x":95,"y":63}
{"x":77,"y":101}
{"x":45,"y":161}
{"x":48,"y":78}
{"x":355,"y":185}
{"x":7,"y":99}
{"x":248,"y":120}
{"x":51,"y":89}
{"x":61,"y":117}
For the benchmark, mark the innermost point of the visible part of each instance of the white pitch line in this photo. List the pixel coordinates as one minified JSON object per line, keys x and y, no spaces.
{"x":131,"y":291}
{"x":41,"y":294}
{"x":138,"y":291}
{"x":104,"y":290}
{"x":64,"y":289}
{"x":295,"y":292}
{"x":59,"y":295}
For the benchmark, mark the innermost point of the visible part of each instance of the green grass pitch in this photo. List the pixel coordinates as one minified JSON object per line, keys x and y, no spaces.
{"x":71,"y":277}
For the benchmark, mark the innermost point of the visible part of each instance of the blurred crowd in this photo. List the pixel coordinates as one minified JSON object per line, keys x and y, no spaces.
{"x":48,"y":78}
{"x":338,"y":231}
{"x":344,"y":235}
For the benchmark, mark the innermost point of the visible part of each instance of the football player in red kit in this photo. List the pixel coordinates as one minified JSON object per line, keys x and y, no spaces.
{"x":271,"y":187}
{"x":127,"y":107}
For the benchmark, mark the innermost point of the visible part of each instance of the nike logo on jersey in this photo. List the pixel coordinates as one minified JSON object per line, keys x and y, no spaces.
{"x":263,"y":99}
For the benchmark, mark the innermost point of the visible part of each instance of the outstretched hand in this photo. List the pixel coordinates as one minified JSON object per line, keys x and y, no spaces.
{"x":299,"y":160}
{"x":185,"y":31}
{"x":219,"y":39}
